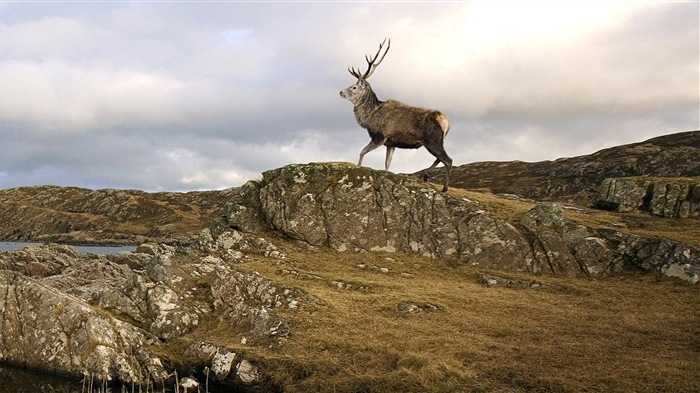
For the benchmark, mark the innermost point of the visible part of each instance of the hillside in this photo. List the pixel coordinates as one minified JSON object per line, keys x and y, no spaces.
{"x":576,"y":179}
{"x":330,"y":277}
{"x":81,"y":216}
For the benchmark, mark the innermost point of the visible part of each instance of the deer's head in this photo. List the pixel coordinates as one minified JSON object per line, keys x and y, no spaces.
{"x":361,"y":88}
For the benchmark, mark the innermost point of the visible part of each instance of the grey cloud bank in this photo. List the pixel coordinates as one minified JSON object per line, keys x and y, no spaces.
{"x":187,"y":96}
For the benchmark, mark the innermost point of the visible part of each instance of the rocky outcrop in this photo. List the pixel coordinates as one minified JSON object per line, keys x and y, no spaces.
{"x":670,"y":198}
{"x":652,"y":254}
{"x":81,"y":216}
{"x":109,"y":317}
{"x":47,"y":329}
{"x":105,"y":317}
{"x":563,"y":247}
{"x":576,"y":179}
{"x":78,"y":215}
{"x":351,"y":208}
{"x":346,"y":207}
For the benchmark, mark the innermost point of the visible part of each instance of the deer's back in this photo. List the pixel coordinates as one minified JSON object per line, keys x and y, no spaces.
{"x":403,"y":125}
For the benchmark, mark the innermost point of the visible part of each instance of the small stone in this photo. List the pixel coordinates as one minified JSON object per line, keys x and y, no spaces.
{"x":222,"y":363}
{"x":247,"y":372}
{"x":408,"y":307}
{"x":188,"y":382}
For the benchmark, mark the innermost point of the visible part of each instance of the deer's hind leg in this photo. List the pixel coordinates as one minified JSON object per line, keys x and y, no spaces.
{"x":439,"y":152}
{"x":425,"y":175}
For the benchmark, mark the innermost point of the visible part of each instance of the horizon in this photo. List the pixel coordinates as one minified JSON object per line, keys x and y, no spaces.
{"x":456,"y":166}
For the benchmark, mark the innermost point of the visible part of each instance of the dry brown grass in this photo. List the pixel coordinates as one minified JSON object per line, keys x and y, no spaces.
{"x":631,"y":333}
{"x":497,"y":207}
{"x":685,"y":230}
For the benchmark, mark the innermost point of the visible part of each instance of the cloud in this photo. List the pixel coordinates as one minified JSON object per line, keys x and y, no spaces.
{"x":179,"y":96}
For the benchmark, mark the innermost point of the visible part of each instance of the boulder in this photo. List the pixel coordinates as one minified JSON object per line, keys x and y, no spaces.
{"x":563,"y":247}
{"x":620,"y":194}
{"x":250,"y":301}
{"x":656,"y":255}
{"x":674,"y":200}
{"x":669,"y":198}
{"x":46,"y":329}
{"x":353,"y":208}
{"x":492,"y":243}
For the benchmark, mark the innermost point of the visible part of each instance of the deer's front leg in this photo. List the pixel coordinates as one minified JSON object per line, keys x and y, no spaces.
{"x":370,"y":146}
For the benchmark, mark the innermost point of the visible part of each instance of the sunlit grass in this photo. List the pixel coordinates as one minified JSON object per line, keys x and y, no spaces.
{"x":632,"y":333}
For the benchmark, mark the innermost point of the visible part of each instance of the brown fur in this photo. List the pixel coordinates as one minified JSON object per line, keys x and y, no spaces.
{"x":394,"y":124}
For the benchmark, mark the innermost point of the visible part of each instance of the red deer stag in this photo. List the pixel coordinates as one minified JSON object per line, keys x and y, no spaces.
{"x":394,"y":124}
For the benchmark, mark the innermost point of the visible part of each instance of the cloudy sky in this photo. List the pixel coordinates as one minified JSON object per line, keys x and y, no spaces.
{"x":181,"y":96}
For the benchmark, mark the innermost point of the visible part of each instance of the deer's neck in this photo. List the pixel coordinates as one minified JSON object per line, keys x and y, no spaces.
{"x":365,"y":108}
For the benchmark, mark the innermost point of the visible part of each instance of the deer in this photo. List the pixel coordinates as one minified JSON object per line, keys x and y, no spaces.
{"x":395,"y":124}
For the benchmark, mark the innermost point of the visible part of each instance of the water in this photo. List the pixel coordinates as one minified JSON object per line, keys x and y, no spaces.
{"x":11,"y":246}
{"x":19,"y":380}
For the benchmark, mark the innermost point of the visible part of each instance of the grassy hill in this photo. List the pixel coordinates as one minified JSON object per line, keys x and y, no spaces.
{"x":399,"y":322}
{"x":390,"y":322}
{"x":576,"y":179}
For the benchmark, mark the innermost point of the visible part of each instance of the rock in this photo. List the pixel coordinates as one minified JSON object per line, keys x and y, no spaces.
{"x":561,"y":246}
{"x":61,"y":319}
{"x":660,"y":256}
{"x":76,"y":215}
{"x":619,"y":194}
{"x":409,"y":307}
{"x":169,"y":318}
{"x":155,"y":249}
{"x":231,"y":288}
{"x":46,"y":329}
{"x":225,"y":364}
{"x":577,"y":179}
{"x":670,"y":198}
{"x":243,"y":210}
{"x":352,"y":208}
{"x":219,"y":360}
{"x":673,"y":200}
{"x":247,"y":372}
{"x":496,"y":244}
{"x":222,"y":363}
{"x":250,"y":300}
{"x":135,"y":261}
{"x":43,"y":260}
{"x":232,"y":243}
{"x":189,"y":382}
{"x":491,"y":281}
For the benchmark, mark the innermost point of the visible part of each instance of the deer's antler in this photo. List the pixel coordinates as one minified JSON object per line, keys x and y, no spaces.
{"x":371,"y":66}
